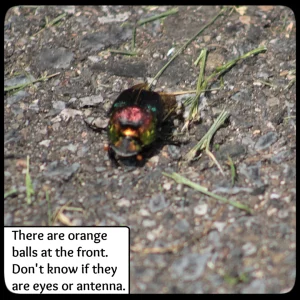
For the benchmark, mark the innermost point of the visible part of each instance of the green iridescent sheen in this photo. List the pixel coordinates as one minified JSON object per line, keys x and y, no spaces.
{"x":148,"y":135}
{"x":113,"y":134}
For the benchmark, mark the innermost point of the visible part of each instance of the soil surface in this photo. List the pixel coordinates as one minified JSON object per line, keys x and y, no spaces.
{"x":181,"y":240}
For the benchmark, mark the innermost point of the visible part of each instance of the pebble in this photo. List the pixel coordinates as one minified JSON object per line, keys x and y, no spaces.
{"x":232,"y":150}
{"x":71,"y":147}
{"x":220,"y":226}
{"x":174,"y":152}
{"x":157,"y":203}
{"x":282,"y":214}
{"x":167,"y":186}
{"x":17,"y":97}
{"x":252,"y":173}
{"x":148,"y":223}
{"x":77,"y":222}
{"x":8,"y":219}
{"x":257,"y":286}
{"x":201,"y":209}
{"x":66,"y":114}
{"x":94,"y":59}
{"x":100,"y":122}
{"x":144,"y":212}
{"x":273,"y":101}
{"x":182,"y":226}
{"x":249,"y":249}
{"x":59,"y":105}
{"x":90,"y":100}
{"x":98,"y":41}
{"x":57,"y":58}
{"x":20,"y":79}
{"x":45,"y":143}
{"x":281,"y":156}
{"x":190,"y":266}
{"x":263,"y":75}
{"x":122,"y":17}
{"x":34,"y":106}
{"x":266,"y":141}
{"x":124,"y":202}
{"x":100,"y":169}
{"x":16,"y":110}
{"x":70,"y":9}
{"x":57,"y":172}
{"x":243,"y":95}
{"x":274,"y":196}
{"x":214,"y":239}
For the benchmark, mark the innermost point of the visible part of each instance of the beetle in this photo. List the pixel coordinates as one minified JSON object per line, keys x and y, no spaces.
{"x":135,"y":119}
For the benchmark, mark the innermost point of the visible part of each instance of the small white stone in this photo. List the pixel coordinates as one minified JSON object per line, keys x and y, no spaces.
{"x":249,"y":249}
{"x":124,"y":202}
{"x":148,"y":223}
{"x":167,"y":186}
{"x":220,"y":226}
{"x":201,"y":209}
{"x":274,"y":196}
{"x":154,"y":159}
{"x":170,"y":51}
{"x":282,"y":214}
{"x":144,"y":212}
{"x":45,"y":143}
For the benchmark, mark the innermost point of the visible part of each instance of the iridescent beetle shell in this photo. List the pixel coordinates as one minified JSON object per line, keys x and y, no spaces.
{"x":135,"y":117}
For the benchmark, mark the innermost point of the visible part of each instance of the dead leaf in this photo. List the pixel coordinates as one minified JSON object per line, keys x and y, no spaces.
{"x":290,"y":26}
{"x":241,"y":10}
{"x":21,"y":163}
{"x":284,"y":73}
{"x":245,"y":20}
{"x":266,"y":7}
{"x":289,"y":29}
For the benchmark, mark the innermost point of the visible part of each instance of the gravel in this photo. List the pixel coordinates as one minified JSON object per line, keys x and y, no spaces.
{"x":61,"y":124}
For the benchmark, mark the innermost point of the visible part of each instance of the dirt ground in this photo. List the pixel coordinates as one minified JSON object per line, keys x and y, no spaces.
{"x":221,"y":249}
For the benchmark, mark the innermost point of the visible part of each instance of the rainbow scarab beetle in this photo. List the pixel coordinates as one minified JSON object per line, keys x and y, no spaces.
{"x":135,"y":118}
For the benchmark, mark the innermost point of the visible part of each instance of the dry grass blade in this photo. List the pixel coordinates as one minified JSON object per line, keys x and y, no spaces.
{"x":10,"y":193}
{"x":180,"y":179}
{"x":129,"y":53}
{"x":156,"y":17}
{"x":232,"y":169}
{"x":51,"y":23}
{"x":201,"y":87}
{"x":49,"y":209}
{"x":19,"y":87}
{"x":29,"y":187}
{"x":204,"y":143}
{"x":179,"y":51}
